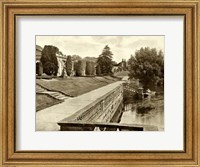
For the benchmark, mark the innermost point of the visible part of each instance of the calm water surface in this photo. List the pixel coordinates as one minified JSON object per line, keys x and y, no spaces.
{"x":153,"y":117}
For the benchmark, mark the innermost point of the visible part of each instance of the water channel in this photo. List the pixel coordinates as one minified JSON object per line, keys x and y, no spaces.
{"x":153,"y":117}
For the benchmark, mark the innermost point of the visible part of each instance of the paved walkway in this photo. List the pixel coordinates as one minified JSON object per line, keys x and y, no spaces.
{"x":46,"y":120}
{"x":125,"y":78}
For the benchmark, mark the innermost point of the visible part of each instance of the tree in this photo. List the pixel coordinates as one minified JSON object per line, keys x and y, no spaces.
{"x":80,"y":68}
{"x":49,"y":55}
{"x":93,"y":68}
{"x":90,"y":59}
{"x":147,"y":65}
{"x":76,"y":58}
{"x":76,"y":68}
{"x":124,"y":65}
{"x":63,"y":73}
{"x":49,"y":68}
{"x":69,"y":65}
{"x":39,"y":68}
{"x":90,"y":68}
{"x":105,"y":61}
{"x":98,"y":70}
{"x":114,"y":63}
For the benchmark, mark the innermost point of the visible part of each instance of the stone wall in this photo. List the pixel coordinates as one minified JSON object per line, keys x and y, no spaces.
{"x":107,"y":108}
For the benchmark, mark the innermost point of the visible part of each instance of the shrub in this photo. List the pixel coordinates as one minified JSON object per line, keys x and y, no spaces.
{"x":39,"y":68}
{"x":89,"y":68}
{"x":49,"y":55}
{"x":80,"y":68}
{"x":69,"y":65}
{"x":50,"y":68}
{"x":98,"y":70}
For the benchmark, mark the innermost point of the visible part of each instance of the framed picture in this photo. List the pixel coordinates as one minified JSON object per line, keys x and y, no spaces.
{"x":99,"y":83}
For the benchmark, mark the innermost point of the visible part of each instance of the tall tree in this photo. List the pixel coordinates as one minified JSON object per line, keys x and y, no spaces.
{"x":105,"y":61}
{"x":39,"y":68}
{"x":98,"y":70}
{"x":49,"y":68}
{"x":124,"y":64}
{"x":147,"y":65}
{"x":49,"y":56}
{"x":80,"y":68}
{"x":89,"y":68}
{"x":93,"y":68}
{"x":76,"y":58}
{"x":161,"y":63}
{"x":69,"y":65}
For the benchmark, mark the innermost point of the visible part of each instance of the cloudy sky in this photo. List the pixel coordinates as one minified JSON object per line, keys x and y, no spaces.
{"x":92,"y":46}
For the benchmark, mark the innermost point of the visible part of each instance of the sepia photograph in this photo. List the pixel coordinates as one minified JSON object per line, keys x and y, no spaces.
{"x":99,"y":83}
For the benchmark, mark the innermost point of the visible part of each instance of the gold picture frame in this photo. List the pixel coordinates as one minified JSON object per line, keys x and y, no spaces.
{"x":12,"y":8}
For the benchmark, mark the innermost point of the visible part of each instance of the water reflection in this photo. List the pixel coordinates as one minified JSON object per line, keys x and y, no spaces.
{"x":153,"y":117}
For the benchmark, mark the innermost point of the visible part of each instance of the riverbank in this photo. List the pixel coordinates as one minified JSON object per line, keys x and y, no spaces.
{"x":154,"y":117}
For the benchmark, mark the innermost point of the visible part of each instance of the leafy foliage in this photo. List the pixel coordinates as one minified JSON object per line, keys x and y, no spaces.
{"x":90,"y":59}
{"x":39,"y":68}
{"x":124,"y":65}
{"x":80,"y":68}
{"x":63,"y":73}
{"x":50,"y":68}
{"x":98,"y":70}
{"x":90,"y":67}
{"x":148,"y":66}
{"x":105,"y":61}
{"x":49,"y":56}
{"x":76,"y":58}
{"x":69,"y":65}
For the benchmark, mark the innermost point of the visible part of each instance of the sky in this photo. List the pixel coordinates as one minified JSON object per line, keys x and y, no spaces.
{"x":91,"y":46}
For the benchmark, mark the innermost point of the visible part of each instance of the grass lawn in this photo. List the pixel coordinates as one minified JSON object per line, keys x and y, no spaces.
{"x":121,"y":73}
{"x":44,"y":101}
{"x":76,"y":86}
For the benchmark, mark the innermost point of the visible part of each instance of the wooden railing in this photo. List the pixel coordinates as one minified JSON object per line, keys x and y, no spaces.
{"x":83,"y":126}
